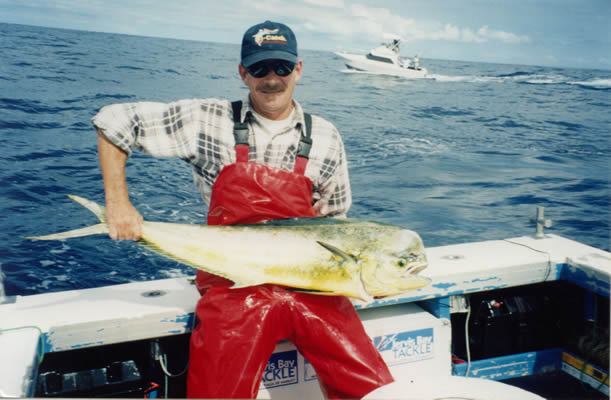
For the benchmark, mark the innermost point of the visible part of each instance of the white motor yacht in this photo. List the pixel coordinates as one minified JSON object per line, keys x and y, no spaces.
{"x":385,"y":59}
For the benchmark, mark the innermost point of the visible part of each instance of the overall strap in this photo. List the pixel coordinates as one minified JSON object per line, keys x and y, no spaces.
{"x":240,"y":132}
{"x":305,"y":145}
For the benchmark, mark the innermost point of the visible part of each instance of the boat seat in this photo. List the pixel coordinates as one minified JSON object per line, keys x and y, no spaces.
{"x":20,"y":358}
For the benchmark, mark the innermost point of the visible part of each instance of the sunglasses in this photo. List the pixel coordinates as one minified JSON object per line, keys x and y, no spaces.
{"x":262,"y":68}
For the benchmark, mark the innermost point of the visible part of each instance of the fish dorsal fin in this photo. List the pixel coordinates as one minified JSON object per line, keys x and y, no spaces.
{"x":304,"y":221}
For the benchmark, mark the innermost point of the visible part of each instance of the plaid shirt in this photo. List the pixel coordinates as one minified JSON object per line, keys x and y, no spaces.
{"x":200,"y":132}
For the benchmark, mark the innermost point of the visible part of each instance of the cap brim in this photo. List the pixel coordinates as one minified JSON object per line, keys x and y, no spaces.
{"x":269,"y":55}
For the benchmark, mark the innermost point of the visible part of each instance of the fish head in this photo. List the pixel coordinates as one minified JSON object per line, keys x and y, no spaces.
{"x":392,"y":267}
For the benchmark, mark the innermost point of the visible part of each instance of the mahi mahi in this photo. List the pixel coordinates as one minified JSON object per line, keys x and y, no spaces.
{"x":331,"y":256}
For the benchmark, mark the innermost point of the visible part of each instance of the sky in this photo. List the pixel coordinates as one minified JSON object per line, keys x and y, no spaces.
{"x":557,"y":33}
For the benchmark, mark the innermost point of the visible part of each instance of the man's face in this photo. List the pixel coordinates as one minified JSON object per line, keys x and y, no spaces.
{"x":272,"y":95}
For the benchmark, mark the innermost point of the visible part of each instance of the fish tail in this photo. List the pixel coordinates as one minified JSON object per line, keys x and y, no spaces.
{"x":92,"y":206}
{"x":90,"y":230}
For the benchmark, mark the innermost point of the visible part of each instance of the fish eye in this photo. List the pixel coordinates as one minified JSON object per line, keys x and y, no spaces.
{"x":402,"y":262}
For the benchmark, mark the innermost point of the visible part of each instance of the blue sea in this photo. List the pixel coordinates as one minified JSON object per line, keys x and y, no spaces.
{"x":465,"y":156}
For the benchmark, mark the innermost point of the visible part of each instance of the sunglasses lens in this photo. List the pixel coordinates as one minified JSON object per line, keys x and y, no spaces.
{"x":261,"y":69}
{"x":258,"y":70}
{"x":284,"y":68}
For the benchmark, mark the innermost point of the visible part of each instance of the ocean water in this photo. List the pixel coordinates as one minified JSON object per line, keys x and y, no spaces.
{"x":465,"y":156}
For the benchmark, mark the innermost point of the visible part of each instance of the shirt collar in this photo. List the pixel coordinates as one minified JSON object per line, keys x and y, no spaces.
{"x":298,"y":120}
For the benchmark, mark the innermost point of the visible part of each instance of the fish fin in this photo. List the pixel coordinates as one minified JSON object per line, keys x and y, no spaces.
{"x":240,"y":285}
{"x":319,"y":292}
{"x":90,"y":230}
{"x":362,"y":296}
{"x":92,"y":206}
{"x":338,"y":252}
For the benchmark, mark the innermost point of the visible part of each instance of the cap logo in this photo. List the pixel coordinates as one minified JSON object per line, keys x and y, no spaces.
{"x":268,"y":36}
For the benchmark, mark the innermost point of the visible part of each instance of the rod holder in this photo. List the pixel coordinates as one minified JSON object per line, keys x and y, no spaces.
{"x":541,"y":222}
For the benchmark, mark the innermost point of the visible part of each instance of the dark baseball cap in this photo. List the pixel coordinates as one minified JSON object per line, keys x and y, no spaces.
{"x":269,"y":40}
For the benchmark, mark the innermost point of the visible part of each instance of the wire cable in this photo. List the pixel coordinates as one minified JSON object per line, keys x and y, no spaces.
{"x":163,"y":362}
{"x":548,"y":271}
{"x":467,"y":346}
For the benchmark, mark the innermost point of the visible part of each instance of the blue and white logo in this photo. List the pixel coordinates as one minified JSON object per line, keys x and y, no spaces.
{"x":403,"y":347}
{"x":281,"y":369}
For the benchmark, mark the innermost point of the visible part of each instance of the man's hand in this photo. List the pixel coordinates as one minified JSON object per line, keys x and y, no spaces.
{"x":124,"y":221}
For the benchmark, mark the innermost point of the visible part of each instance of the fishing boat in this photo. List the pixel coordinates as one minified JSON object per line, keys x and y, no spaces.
{"x":386,"y":60}
{"x":505,"y":318}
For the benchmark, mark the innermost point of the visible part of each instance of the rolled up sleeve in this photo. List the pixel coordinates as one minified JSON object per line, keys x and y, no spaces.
{"x":159,"y":129}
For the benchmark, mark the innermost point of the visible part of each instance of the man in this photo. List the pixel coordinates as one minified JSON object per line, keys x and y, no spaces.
{"x":259,"y":160}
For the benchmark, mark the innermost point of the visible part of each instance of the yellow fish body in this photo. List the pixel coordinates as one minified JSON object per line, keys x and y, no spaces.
{"x":348,"y":257}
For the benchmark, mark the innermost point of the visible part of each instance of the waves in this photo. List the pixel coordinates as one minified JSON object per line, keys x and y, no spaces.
{"x":530,"y":79}
{"x":518,"y":77}
{"x":30,"y":115}
{"x":33,"y":106}
{"x":600,"y":84}
{"x":465,"y":156}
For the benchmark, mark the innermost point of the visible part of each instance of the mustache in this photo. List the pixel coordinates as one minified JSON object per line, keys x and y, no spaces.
{"x":271,"y":87}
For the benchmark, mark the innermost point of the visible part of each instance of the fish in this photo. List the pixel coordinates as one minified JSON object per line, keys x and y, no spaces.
{"x":349,"y":257}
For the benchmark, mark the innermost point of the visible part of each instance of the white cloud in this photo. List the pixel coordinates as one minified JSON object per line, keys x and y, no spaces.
{"x":484,"y":34}
{"x":370,"y":23}
{"x":326,"y":3}
{"x":338,"y":20}
{"x":508,"y":37}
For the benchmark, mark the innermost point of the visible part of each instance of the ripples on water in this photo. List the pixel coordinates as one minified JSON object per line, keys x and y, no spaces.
{"x":466,"y":156}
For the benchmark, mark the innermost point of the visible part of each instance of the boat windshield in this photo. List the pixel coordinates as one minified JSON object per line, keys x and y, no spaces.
{"x":373,"y":57}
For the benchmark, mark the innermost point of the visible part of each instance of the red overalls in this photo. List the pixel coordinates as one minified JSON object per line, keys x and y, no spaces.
{"x":238,"y":328}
